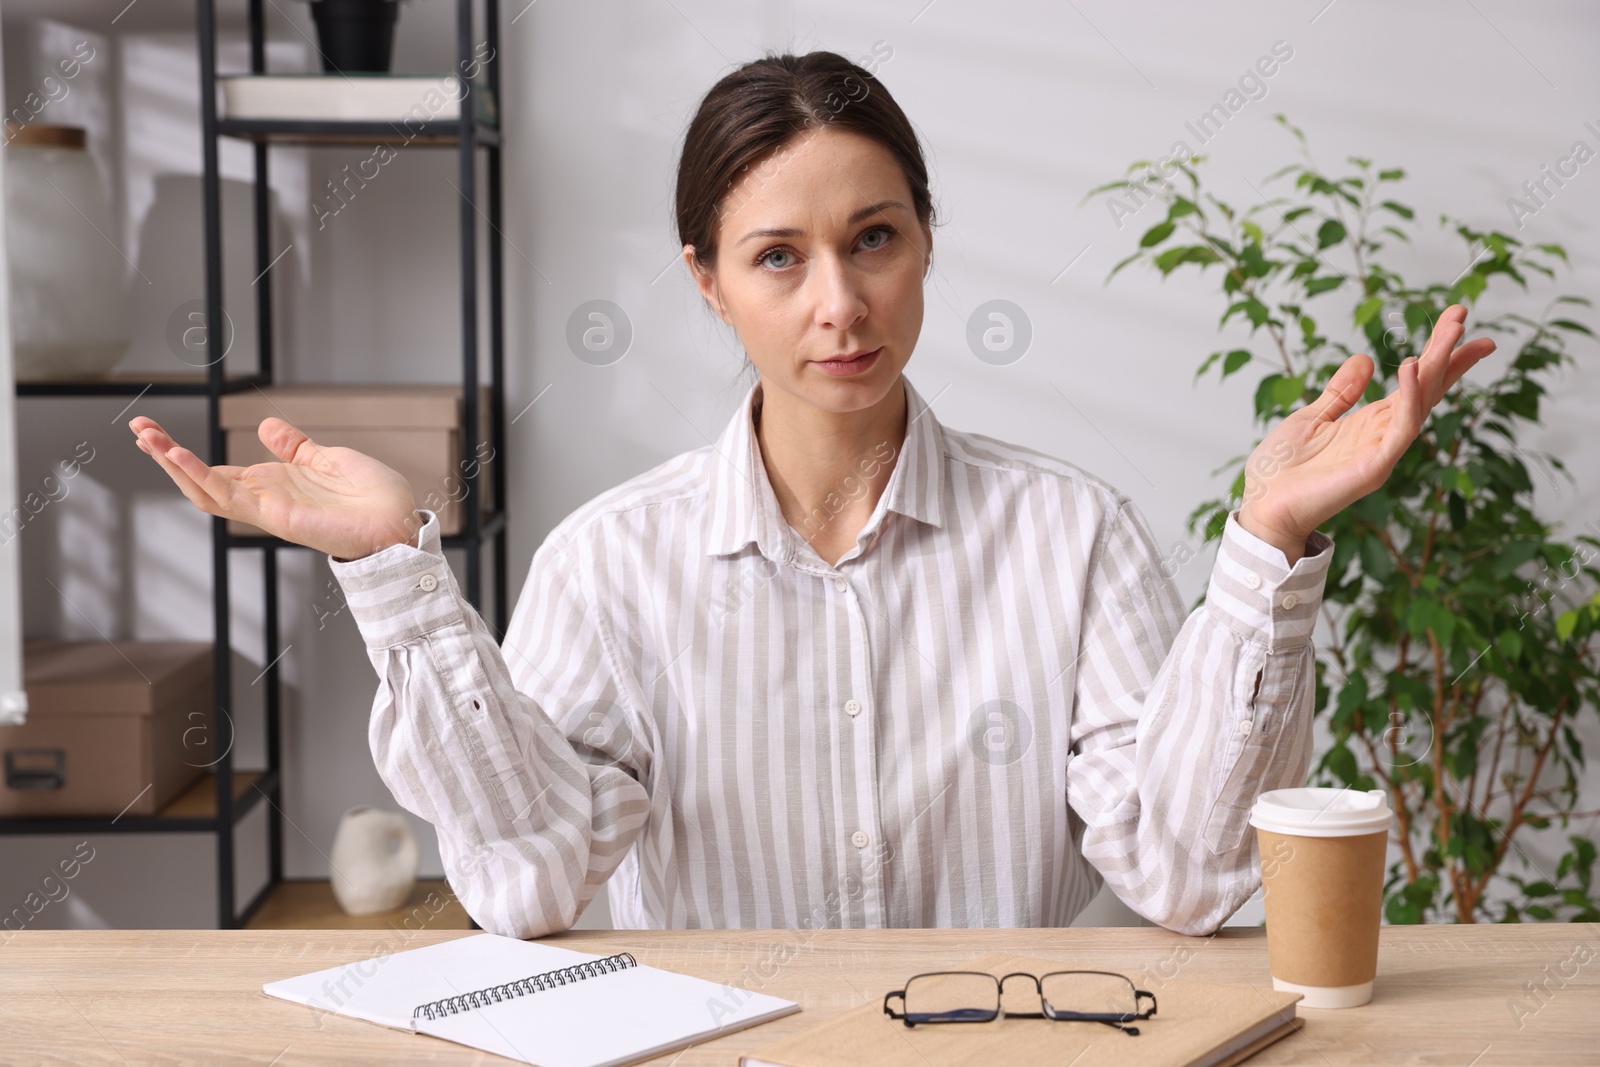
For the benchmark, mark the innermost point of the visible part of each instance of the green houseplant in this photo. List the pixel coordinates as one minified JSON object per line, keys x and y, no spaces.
{"x":1461,"y":654}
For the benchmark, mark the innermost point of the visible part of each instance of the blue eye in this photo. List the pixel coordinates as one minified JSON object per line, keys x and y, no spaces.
{"x":763,"y":260}
{"x":886,"y":231}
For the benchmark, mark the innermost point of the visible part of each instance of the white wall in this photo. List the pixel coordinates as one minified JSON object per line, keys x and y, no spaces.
{"x":1023,"y":106}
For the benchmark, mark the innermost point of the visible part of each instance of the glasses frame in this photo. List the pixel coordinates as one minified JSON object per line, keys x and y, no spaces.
{"x":1116,"y":1020}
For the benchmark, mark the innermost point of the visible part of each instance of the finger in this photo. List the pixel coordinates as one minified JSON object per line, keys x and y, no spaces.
{"x":1342,"y":390}
{"x":285,"y":441}
{"x":213,"y":485}
{"x":197,"y":496}
{"x":1407,"y":420}
{"x":1436,"y":354}
{"x":1463,"y":358}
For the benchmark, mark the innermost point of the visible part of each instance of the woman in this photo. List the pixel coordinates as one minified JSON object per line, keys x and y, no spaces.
{"x":845,"y":666}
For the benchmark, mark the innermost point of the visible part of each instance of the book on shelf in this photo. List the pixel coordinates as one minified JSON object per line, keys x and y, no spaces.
{"x":399,"y":98}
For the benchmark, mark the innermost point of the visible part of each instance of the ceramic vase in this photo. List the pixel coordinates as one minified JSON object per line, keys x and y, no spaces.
{"x":374,"y":861}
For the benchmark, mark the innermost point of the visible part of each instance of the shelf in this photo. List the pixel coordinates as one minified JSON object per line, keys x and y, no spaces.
{"x":135,"y":384}
{"x":194,"y":809}
{"x":352,"y":131}
{"x":310,"y":905}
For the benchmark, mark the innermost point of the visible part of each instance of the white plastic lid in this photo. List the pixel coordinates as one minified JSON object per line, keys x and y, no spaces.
{"x":1315,"y":811}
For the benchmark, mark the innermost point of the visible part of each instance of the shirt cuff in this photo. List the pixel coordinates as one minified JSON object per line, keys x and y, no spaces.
{"x":1259,"y":595}
{"x":403,"y":592}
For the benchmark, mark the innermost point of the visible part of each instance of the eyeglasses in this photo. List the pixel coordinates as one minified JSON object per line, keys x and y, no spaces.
{"x":1069,"y":996}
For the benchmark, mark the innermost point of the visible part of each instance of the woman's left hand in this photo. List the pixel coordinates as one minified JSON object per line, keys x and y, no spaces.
{"x":1315,"y":464}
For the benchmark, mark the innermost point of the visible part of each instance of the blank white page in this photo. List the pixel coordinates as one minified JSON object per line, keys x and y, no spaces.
{"x":613,"y":1018}
{"x":385,"y":989}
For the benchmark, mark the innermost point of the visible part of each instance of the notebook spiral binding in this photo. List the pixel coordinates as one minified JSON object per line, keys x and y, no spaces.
{"x":523,"y":986}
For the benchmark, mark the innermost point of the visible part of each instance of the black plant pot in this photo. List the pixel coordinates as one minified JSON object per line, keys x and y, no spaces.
{"x":355,"y":35}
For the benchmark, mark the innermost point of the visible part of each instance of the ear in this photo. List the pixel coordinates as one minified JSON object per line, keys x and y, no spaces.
{"x":706,"y":283}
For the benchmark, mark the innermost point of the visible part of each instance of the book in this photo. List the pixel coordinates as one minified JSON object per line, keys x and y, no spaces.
{"x":355,"y":96}
{"x":531,"y":1002}
{"x":1196,"y":1024}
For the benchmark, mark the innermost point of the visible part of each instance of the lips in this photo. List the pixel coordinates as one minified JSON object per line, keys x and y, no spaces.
{"x":849,"y":358}
{"x":849,"y":366}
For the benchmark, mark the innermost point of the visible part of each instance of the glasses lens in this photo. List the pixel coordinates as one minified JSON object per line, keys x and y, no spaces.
{"x":1089,"y":993}
{"x":933,"y":998}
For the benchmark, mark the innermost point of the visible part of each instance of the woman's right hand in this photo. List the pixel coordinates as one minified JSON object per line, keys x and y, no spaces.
{"x":335,"y":500}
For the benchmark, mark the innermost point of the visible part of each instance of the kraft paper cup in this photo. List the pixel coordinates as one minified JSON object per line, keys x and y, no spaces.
{"x":1322,"y":859}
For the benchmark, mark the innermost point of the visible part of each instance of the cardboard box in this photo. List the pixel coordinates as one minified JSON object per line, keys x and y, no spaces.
{"x":111,"y":726}
{"x":416,"y":429}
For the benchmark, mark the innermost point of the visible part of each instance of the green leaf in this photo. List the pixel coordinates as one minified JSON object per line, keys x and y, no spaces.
{"x":1330,"y":233}
{"x":1287,"y":390}
{"x":1341,"y":763}
{"x":1322,"y":285}
{"x":1392,"y":175}
{"x":1399,"y":209}
{"x":1367,"y":309}
{"x":1469,"y":287}
{"x":1156,"y":234}
{"x":1181,"y":207}
{"x":1234,"y":360}
{"x":1265,"y":405}
{"x":1510,"y":645}
{"x":1566,"y":622}
{"x":1513,"y":556}
{"x":1376,"y":561}
{"x":1253,"y":308}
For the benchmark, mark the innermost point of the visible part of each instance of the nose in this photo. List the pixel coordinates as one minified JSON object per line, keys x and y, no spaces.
{"x":837,"y":291}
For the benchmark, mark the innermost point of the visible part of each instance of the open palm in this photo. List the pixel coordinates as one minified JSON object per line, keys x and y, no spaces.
{"x":332,"y":499}
{"x":1316,"y":463}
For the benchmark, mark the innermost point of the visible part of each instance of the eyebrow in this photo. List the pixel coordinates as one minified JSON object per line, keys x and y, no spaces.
{"x":791,"y":231}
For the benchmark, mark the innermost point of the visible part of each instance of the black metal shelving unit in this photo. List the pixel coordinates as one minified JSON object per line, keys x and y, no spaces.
{"x":218,"y":802}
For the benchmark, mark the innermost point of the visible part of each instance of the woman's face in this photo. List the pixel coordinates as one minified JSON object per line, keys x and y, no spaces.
{"x":843,"y":277}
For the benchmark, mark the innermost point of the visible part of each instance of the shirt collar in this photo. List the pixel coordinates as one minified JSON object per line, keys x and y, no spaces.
{"x":743,"y":508}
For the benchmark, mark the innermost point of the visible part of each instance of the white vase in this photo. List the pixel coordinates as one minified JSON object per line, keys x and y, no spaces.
{"x":374,"y":861}
{"x":69,"y":316}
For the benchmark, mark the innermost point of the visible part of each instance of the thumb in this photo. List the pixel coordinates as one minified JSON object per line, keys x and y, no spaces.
{"x":1343,"y":389}
{"x":286,"y":442}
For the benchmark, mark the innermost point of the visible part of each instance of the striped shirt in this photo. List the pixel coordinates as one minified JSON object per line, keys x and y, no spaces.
{"x":986,"y":708}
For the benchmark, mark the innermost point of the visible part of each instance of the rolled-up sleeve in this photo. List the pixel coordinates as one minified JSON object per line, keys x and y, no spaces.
{"x":524,"y":757}
{"x":1180,"y":723}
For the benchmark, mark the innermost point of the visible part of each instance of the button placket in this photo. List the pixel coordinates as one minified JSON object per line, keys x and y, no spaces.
{"x":855,"y":676}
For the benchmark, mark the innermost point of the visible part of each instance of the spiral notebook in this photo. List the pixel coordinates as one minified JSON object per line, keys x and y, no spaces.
{"x":532,"y":1002}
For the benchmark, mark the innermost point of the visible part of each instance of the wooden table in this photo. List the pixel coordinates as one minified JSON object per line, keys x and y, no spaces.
{"x":1446,"y":995}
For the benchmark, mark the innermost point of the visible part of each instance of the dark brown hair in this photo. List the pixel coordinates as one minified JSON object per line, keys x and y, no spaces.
{"x":752,"y":113}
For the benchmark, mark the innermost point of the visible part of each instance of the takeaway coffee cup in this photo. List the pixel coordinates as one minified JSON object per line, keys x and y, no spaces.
{"x":1322,"y":859}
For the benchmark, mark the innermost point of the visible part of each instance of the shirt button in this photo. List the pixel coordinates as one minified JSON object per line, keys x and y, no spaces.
{"x":428,"y":583}
{"x":1245,"y":726}
{"x":840,"y":584}
{"x":1290,"y":600}
{"x":859,"y":839}
{"x":1253,"y":580}
{"x":852,"y":707}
